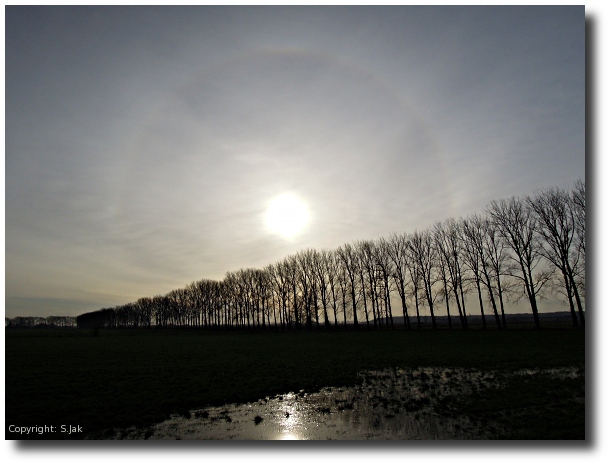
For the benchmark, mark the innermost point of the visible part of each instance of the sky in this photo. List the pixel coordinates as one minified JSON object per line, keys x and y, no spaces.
{"x":144,"y":145}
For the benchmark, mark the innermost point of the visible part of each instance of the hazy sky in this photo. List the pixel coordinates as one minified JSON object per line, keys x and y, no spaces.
{"x":144,"y":144}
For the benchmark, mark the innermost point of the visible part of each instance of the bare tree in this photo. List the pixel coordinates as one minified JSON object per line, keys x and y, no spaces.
{"x":349,"y":260}
{"x":424,"y":256}
{"x":416,"y":279}
{"x":578,"y":206}
{"x":439,"y":243}
{"x":556,"y":223}
{"x":306,"y":284}
{"x":384,"y":270}
{"x":245,"y":290}
{"x":320,"y":265}
{"x":497,"y":258}
{"x":332,"y":270}
{"x":514,"y":221}
{"x":262,"y":292}
{"x":343,"y":282}
{"x":292,"y":275}
{"x":144,"y":306}
{"x":364,"y":253}
{"x":448,"y":243}
{"x":232,"y":288}
{"x":474,"y":229}
{"x":279,"y":280}
{"x":471,"y":259}
{"x":397,"y":248}
{"x":160,"y":311}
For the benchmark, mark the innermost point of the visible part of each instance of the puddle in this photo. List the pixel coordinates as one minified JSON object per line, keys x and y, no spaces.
{"x":387,"y":404}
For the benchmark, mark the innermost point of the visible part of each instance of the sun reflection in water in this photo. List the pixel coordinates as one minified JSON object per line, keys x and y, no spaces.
{"x":290,"y":421}
{"x":390,"y":404}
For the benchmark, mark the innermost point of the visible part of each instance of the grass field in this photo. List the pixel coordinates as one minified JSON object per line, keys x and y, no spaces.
{"x":119,"y":378}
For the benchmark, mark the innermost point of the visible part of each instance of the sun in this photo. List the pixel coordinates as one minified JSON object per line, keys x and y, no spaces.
{"x":287,"y":215}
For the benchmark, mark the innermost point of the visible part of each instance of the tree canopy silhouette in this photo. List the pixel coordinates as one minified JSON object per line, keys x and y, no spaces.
{"x":517,"y":247}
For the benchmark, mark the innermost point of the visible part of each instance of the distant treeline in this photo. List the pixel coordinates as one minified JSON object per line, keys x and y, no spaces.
{"x":40,"y":322}
{"x":518,"y":247}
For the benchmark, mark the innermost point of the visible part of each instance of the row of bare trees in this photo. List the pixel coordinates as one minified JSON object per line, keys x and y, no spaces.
{"x":518,"y":247}
{"x":60,"y":322}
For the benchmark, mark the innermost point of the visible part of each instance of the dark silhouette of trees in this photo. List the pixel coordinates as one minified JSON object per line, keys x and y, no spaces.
{"x":343,"y":282}
{"x":319,"y":264}
{"x":449,"y":247}
{"x":382,"y":274}
{"x":306,"y":284}
{"x":475,"y":230}
{"x":578,"y":207}
{"x":442,"y":263}
{"x":349,"y":260}
{"x":332,"y":265}
{"x":49,"y":322}
{"x":104,"y":318}
{"x":416,"y":280}
{"x":424,"y":257}
{"x":280,"y":289}
{"x":495,"y":250}
{"x":366,"y":272}
{"x":472,"y":260}
{"x":292,"y":273}
{"x":526,"y":241}
{"x":515,"y":222}
{"x":556,"y":223}
{"x":397,"y":251}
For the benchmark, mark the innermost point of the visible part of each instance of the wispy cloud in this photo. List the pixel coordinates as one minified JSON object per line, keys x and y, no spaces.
{"x":143,"y":144}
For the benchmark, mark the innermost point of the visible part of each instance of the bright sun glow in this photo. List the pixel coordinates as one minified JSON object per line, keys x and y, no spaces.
{"x":287,"y":215}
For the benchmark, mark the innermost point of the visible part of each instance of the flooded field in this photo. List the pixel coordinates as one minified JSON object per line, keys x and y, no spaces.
{"x":389,"y":404}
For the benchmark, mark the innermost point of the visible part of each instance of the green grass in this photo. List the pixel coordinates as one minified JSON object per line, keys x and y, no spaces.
{"x":122,"y":378}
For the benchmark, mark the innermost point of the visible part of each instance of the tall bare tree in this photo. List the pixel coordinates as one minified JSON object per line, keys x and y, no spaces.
{"x":280,"y":285}
{"x":514,"y":220}
{"x":349,"y":259}
{"x":448,"y":243}
{"x":423,"y":253}
{"x":292,"y":275}
{"x":344,"y":283}
{"x":578,"y":205}
{"x":397,"y":247}
{"x":384,"y":269}
{"x":319,"y":268}
{"x":497,"y":258}
{"x":366,"y":271}
{"x":556,"y":223}
{"x":332,"y":270}
{"x":439,"y":243}
{"x":475,"y":231}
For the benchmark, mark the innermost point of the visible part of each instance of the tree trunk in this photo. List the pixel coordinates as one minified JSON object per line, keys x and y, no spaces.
{"x":481,"y":303}
{"x":405,"y":315}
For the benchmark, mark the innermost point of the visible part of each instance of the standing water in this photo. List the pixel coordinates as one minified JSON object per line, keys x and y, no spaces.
{"x":388,"y":404}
